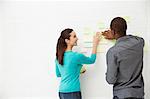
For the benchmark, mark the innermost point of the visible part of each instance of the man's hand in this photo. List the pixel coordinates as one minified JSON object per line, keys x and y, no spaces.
{"x":108,"y":35}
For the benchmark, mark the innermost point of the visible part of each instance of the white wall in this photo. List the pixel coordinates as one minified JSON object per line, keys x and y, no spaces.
{"x":29,"y":34}
{"x":147,"y":54}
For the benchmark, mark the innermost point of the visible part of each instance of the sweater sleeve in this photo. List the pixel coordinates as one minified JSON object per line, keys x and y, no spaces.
{"x":57,"y":69}
{"x":82,"y":59}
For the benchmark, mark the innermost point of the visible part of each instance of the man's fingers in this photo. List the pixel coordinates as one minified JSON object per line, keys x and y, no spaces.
{"x":105,"y":33}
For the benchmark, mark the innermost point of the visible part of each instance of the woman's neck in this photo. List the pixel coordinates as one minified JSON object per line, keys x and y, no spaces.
{"x":69,"y":48}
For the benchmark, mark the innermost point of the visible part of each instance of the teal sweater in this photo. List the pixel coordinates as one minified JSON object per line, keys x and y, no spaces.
{"x":70,"y":71}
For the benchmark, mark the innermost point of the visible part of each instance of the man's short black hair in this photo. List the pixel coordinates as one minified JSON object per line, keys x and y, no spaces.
{"x":119,"y":26}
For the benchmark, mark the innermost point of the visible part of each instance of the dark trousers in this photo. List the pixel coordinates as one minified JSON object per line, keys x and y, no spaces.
{"x":70,"y":95}
{"x":115,"y":97}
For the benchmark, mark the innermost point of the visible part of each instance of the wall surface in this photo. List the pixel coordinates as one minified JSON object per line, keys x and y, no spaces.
{"x":30,"y":30}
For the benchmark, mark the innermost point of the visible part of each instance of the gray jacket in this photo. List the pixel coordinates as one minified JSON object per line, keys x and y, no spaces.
{"x":124,"y":67}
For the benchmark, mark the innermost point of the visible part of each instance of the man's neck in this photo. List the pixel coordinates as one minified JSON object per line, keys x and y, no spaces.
{"x":119,"y":36}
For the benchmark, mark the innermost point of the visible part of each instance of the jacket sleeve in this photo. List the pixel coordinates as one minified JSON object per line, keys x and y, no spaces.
{"x":112,"y":67}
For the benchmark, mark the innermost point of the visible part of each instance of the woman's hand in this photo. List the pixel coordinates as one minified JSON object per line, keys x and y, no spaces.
{"x":83,"y":70}
{"x":96,"y":39}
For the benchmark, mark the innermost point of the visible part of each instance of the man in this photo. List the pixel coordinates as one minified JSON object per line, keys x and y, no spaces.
{"x":124,"y":62}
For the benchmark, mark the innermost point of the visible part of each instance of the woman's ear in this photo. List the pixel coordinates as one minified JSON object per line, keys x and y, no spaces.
{"x":67,"y":41}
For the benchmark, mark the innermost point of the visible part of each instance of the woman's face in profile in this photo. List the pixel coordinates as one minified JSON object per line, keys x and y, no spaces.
{"x":73,"y":39}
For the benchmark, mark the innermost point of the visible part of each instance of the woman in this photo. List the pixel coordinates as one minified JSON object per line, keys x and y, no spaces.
{"x":69,"y":64}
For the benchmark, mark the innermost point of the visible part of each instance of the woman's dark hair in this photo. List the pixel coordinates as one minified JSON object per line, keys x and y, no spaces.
{"x":119,"y":26}
{"x":61,"y":44}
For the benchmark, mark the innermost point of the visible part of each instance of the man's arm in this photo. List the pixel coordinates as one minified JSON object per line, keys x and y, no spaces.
{"x":112,"y":67}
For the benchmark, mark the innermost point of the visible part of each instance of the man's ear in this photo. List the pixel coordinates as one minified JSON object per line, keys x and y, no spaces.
{"x":113,"y":32}
{"x":67,"y":41}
